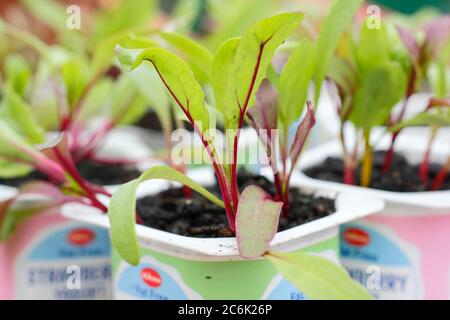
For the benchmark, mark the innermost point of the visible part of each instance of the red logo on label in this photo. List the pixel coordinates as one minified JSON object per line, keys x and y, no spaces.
{"x":81,"y":237}
{"x":356,"y":237}
{"x":151,"y":277}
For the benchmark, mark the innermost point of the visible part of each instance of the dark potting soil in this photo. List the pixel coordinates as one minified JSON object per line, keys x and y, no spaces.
{"x":106,"y":174}
{"x":150,"y":121}
{"x":96,"y":173}
{"x":402,"y":176}
{"x":198,"y":217}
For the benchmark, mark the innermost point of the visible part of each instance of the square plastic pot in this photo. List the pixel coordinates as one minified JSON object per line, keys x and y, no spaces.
{"x":177,"y":267}
{"x":402,"y":252}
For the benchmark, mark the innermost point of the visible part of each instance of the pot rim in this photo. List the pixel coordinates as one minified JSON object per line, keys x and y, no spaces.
{"x":428,"y":199}
{"x":224,"y":249}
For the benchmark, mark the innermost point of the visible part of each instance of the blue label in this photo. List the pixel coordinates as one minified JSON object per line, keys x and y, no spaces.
{"x":68,"y":261}
{"x":149,"y":282}
{"x":380,"y":261}
{"x":73,"y":242}
{"x":286,"y":291}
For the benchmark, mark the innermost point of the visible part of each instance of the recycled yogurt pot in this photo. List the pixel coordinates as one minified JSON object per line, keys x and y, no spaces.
{"x":48,"y":255}
{"x":178,"y":267}
{"x":402,"y":252}
{"x":327,"y":127}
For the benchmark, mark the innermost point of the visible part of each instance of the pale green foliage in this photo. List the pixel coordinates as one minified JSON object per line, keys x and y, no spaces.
{"x":381,"y":88}
{"x":335,"y":23}
{"x":177,"y":77}
{"x":123,"y":207}
{"x":252,"y":58}
{"x":317,"y":277}
{"x":294,"y":83}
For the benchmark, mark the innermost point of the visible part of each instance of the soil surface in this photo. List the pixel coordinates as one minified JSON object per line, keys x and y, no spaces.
{"x":402,"y":177}
{"x":198,"y":217}
{"x":97,"y":173}
{"x":150,"y":121}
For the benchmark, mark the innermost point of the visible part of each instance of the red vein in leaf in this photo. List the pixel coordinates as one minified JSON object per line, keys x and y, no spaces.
{"x":243,"y":111}
{"x":218,"y":168}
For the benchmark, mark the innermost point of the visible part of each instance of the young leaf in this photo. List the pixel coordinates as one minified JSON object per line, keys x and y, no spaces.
{"x":372,"y":49}
{"x":265,"y":111}
{"x":21,"y":116}
{"x":221,"y":71}
{"x":12,"y":145}
{"x":425,"y":119}
{"x":256,"y":222}
{"x":294,"y":83}
{"x":146,"y":77}
{"x":195,"y":54}
{"x":10,"y":169}
{"x":302,"y":133}
{"x":178,"y":78}
{"x":122,"y":209}
{"x":382,"y":88}
{"x":317,"y":277}
{"x":252,"y":58}
{"x":335,"y":23}
{"x":75,"y":76}
{"x":18,"y":73}
{"x":264,"y":119}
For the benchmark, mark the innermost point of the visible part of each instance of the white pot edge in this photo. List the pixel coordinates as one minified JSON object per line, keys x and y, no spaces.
{"x":224,"y":249}
{"x":433,"y":200}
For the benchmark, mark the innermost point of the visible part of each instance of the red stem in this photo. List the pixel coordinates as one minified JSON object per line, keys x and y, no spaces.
{"x":439,"y":179}
{"x":217,"y":168}
{"x":243,"y":111}
{"x":424,"y":166}
{"x":73,"y":172}
{"x":390,"y":153}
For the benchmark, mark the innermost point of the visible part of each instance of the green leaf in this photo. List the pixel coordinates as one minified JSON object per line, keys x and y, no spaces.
{"x":252,"y":58}
{"x":75,"y":78}
{"x":12,"y":145}
{"x":221,"y":70}
{"x":104,"y":52}
{"x":129,"y":15}
{"x":381,"y":89}
{"x":9,"y":169}
{"x":344,"y":74}
{"x":317,"y":277}
{"x":372,"y":48}
{"x":237,"y":17}
{"x":294,"y":83}
{"x":194,"y":53}
{"x":178,"y":78}
{"x":441,"y":119}
{"x":19,"y":114}
{"x":18,"y":73}
{"x":122,"y":209}
{"x":337,"y":19}
{"x":256,"y":222}
{"x":149,"y":85}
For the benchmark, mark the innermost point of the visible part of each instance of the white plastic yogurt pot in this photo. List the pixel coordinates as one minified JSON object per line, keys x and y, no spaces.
{"x":49,"y":255}
{"x":328,"y":124}
{"x":178,"y":267}
{"x":402,"y":252}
